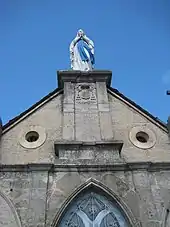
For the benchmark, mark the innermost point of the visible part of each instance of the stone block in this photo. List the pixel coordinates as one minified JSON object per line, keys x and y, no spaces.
{"x":68,"y":107}
{"x":132,"y":200}
{"x":103,"y":107}
{"x":154,"y":224}
{"x":105,"y":126}
{"x":86,"y":107}
{"x":68,"y":92}
{"x":87,"y":127}
{"x":39,"y":179}
{"x":102,"y":95}
{"x":109,"y":179}
{"x":62,"y":186}
{"x":68,"y":126}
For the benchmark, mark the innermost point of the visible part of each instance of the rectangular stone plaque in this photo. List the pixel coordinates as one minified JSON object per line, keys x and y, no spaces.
{"x":102,"y":152}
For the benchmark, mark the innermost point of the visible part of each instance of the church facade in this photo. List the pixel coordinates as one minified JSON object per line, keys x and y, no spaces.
{"x":85,"y":156}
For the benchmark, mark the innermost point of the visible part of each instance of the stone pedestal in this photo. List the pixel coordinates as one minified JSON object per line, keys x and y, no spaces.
{"x":86,"y":113}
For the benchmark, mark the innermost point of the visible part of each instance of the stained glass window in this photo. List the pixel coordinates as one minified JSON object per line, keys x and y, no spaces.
{"x":92,"y":209}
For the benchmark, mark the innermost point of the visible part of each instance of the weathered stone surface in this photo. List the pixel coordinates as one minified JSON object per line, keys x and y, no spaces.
{"x":39,"y":196}
{"x":68,"y":93}
{"x":87,"y":127}
{"x":131,"y":198}
{"x":89,"y":152}
{"x":8,"y":214}
{"x":106,"y":126}
{"x":49,"y":117}
{"x":102,"y":95}
{"x":124,"y":118}
{"x":153,"y":224}
{"x":109,"y":179}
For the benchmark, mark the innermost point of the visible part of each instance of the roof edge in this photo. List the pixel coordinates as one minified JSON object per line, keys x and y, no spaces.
{"x":141,"y":110}
{"x":28,"y":111}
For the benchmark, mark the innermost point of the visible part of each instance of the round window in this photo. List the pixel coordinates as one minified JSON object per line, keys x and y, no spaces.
{"x":32,"y":137}
{"x":142,"y":137}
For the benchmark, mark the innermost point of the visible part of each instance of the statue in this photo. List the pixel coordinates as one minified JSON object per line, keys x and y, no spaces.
{"x":82,"y":52}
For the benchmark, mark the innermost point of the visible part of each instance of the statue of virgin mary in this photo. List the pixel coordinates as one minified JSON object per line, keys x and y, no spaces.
{"x":82,"y":52}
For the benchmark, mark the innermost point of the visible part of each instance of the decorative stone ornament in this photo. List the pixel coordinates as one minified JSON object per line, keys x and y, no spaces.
{"x":32,"y":137}
{"x":85,"y":92}
{"x":142,"y":137}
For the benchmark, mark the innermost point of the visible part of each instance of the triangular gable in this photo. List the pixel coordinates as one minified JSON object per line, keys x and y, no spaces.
{"x":111,"y":91}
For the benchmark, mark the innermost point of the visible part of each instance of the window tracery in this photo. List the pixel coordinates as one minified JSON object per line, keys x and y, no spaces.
{"x":91,"y":209}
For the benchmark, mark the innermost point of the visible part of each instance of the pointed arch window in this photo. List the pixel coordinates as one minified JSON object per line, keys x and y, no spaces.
{"x":93,"y":209}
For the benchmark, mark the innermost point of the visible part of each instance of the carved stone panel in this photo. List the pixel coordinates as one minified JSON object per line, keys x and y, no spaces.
{"x":85,"y":92}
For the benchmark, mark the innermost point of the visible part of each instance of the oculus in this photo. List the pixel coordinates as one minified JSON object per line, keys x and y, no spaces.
{"x":142,"y":137}
{"x":32,"y":137}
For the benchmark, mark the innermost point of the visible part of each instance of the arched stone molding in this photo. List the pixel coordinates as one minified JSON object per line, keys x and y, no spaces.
{"x":8,"y":214}
{"x":101,"y":189}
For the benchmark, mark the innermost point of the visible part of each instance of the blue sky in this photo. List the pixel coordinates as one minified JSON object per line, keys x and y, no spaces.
{"x":132,"y":38}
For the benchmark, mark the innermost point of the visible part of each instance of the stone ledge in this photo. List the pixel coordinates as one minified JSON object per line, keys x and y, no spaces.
{"x":75,"y":76}
{"x":133,"y":166}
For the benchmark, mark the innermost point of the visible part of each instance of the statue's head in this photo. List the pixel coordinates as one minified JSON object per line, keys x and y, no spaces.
{"x":80,"y":33}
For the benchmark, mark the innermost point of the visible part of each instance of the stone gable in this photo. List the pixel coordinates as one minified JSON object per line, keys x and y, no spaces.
{"x":85,"y":155}
{"x":102,"y":115}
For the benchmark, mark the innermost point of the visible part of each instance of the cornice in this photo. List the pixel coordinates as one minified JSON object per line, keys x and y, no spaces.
{"x":131,"y":166}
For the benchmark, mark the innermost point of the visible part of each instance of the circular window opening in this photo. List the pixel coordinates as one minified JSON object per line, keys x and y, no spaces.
{"x":32,"y":136}
{"x":85,"y":86}
{"x":142,"y":137}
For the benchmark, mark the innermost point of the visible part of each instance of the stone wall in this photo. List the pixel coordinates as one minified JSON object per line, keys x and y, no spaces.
{"x":39,"y":195}
{"x":124,"y":119}
{"x":49,"y":118}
